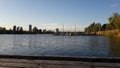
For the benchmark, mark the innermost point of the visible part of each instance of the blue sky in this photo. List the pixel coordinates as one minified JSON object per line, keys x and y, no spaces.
{"x":49,"y":14}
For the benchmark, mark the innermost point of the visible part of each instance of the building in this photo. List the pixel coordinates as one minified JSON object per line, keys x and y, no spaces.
{"x":30,"y":28}
{"x":57,"y":30}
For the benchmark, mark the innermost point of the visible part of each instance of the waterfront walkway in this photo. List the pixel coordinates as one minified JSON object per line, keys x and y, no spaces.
{"x":18,"y":61}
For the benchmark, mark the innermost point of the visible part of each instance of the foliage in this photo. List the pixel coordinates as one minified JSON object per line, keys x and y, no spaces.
{"x":94,"y":27}
{"x":114,"y":23}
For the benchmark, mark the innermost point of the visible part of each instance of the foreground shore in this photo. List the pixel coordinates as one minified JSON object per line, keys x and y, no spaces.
{"x":22,"y":61}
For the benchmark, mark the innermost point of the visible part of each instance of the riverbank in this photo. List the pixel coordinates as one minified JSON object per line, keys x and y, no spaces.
{"x":110,"y":33}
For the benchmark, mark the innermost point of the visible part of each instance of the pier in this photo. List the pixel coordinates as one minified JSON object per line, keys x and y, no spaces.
{"x":25,"y":61}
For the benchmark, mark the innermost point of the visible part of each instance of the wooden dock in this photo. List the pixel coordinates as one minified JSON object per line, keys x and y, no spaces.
{"x":22,"y":61}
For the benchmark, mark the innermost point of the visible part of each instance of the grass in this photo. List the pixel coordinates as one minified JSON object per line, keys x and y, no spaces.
{"x":110,"y":33}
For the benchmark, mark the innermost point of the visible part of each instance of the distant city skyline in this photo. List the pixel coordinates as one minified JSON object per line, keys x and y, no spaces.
{"x":60,"y":27}
{"x":52,"y":14}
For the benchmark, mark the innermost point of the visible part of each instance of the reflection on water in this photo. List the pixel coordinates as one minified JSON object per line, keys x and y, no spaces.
{"x":114,"y":47}
{"x":99,"y":46}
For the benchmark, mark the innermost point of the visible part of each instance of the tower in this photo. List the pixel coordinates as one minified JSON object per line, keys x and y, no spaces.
{"x":30,"y":28}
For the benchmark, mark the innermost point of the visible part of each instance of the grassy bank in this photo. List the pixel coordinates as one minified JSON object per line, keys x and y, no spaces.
{"x":110,"y":33}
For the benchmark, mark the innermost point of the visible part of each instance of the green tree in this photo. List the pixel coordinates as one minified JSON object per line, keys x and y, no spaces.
{"x":94,"y":27}
{"x":35,"y":30}
{"x":103,"y":28}
{"x":114,"y":21}
{"x":14,"y":28}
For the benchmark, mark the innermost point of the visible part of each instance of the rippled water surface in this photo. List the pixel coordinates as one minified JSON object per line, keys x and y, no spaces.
{"x":99,"y":46}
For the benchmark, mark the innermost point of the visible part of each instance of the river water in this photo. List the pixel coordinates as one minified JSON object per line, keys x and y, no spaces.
{"x":44,"y":44}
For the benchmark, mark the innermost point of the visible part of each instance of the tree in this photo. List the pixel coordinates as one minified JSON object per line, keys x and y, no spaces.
{"x":94,"y":27}
{"x":14,"y":28}
{"x":44,"y":31}
{"x":21,"y":30}
{"x":18,"y":28}
{"x":104,"y":26}
{"x":40,"y":31}
{"x":35,"y":30}
{"x":97,"y":27}
{"x":114,"y":21}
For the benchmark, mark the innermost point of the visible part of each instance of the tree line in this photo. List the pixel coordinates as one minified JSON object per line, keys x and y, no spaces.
{"x":113,"y":24}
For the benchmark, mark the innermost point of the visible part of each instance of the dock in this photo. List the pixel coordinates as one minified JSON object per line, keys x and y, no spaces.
{"x":25,"y":61}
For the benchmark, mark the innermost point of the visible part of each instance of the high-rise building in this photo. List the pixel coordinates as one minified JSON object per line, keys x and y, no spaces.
{"x":30,"y":28}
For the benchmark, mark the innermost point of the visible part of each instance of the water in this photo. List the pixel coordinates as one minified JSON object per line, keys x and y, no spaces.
{"x":98,"y":46}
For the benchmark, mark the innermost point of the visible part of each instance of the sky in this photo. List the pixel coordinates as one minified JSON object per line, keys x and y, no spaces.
{"x":52,"y":14}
